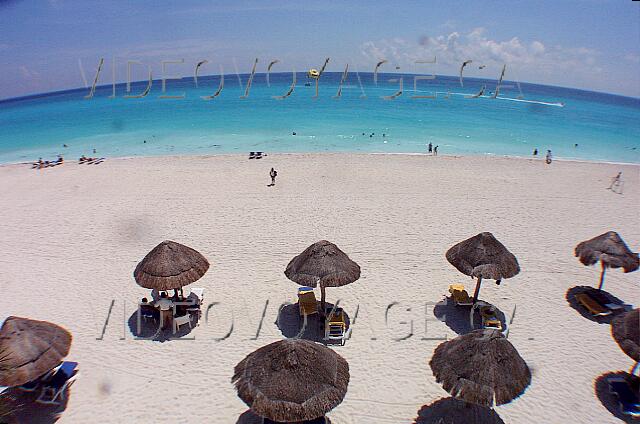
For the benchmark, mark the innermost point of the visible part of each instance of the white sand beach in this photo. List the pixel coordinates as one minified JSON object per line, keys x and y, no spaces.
{"x":73,"y":234}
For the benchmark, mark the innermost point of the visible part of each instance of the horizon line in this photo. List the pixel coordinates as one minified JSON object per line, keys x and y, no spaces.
{"x":69,"y":90}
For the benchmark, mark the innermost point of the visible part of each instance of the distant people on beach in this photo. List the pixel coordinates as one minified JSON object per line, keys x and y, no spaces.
{"x":435,"y":151}
{"x":46,"y":164}
{"x":430,"y":148}
{"x":535,"y":152}
{"x":273,"y":174}
{"x":548,"y":157}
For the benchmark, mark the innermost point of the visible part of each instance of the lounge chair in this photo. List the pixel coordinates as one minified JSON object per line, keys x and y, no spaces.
{"x":180,"y":321}
{"x":258,"y":155}
{"x":490,"y":318}
{"x":53,"y":388}
{"x":252,"y":155}
{"x":592,"y":305}
{"x":460,"y":295}
{"x":627,"y":397}
{"x":307,"y":301}
{"x":336,"y":326}
{"x":603,"y":299}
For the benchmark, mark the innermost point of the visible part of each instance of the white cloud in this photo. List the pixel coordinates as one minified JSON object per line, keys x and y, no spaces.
{"x":532,"y":61}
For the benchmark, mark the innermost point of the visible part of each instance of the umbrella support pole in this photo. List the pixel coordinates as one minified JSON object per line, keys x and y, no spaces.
{"x":477,"y":292}
{"x":322,"y":298}
{"x":604,"y":268}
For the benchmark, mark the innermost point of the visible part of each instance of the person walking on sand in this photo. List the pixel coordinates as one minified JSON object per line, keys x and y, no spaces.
{"x":615,"y":181}
{"x":273,"y":174}
{"x":548,"y":158}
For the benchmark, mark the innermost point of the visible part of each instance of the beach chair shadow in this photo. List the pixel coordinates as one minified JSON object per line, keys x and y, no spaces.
{"x":458,"y":317}
{"x":453,"y":411}
{"x":149,"y":328}
{"x":573,"y":302}
{"x":26,"y":409}
{"x":249,"y":417}
{"x":608,"y":399}
{"x":310,"y":327}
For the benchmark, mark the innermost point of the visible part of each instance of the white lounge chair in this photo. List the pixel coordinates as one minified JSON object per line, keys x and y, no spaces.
{"x":180,"y":321}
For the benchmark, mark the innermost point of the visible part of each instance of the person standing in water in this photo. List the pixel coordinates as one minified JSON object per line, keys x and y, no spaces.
{"x":430,"y":147}
{"x":435,"y":151}
{"x":535,"y":152}
{"x":548,"y":158}
{"x":273,"y":174}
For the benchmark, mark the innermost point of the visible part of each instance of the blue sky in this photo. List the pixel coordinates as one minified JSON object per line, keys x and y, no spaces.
{"x":590,"y":44}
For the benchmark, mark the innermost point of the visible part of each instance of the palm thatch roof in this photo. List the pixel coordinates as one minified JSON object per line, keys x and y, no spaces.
{"x":29,"y":349}
{"x":626,"y":331}
{"x":610,"y":249}
{"x":170,"y":265}
{"x":483,"y":256}
{"x":481,"y":367}
{"x":292,"y":380}
{"x":325,"y":263}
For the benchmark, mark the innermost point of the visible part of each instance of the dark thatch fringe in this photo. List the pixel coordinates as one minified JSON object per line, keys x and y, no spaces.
{"x":325,"y":263}
{"x":610,"y":249}
{"x":29,"y":349}
{"x":292,"y":380}
{"x":483,"y":256}
{"x":481,"y":367}
{"x":170,"y":265}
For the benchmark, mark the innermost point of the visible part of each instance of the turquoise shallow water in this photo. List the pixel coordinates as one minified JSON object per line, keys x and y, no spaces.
{"x":606,"y":127}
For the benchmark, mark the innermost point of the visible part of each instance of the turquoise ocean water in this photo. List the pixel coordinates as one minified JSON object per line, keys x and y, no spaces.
{"x":524,"y":117}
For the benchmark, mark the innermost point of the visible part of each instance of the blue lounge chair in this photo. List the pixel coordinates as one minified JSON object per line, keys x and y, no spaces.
{"x":629,"y":400}
{"x":53,"y":389}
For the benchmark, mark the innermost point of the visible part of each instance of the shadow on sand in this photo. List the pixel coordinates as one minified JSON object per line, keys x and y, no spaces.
{"x":459,"y":319}
{"x":248,"y":417}
{"x":573,"y":302}
{"x":25,"y":409}
{"x":309,"y":327}
{"x":150,"y":329}
{"x":608,"y":399}
{"x":453,"y":411}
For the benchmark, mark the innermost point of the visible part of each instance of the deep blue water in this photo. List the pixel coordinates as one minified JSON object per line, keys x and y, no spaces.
{"x":605,"y":127}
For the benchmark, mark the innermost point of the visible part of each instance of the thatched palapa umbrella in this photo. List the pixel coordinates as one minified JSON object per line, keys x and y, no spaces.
{"x":170,"y":265}
{"x":483,"y":256}
{"x":481,"y":367}
{"x":610,"y":250}
{"x":292,"y":380}
{"x":30,"y":349}
{"x":626,"y":331}
{"x":324,"y":264}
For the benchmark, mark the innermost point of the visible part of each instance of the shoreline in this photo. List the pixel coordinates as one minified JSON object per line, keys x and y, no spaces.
{"x":322,"y":154}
